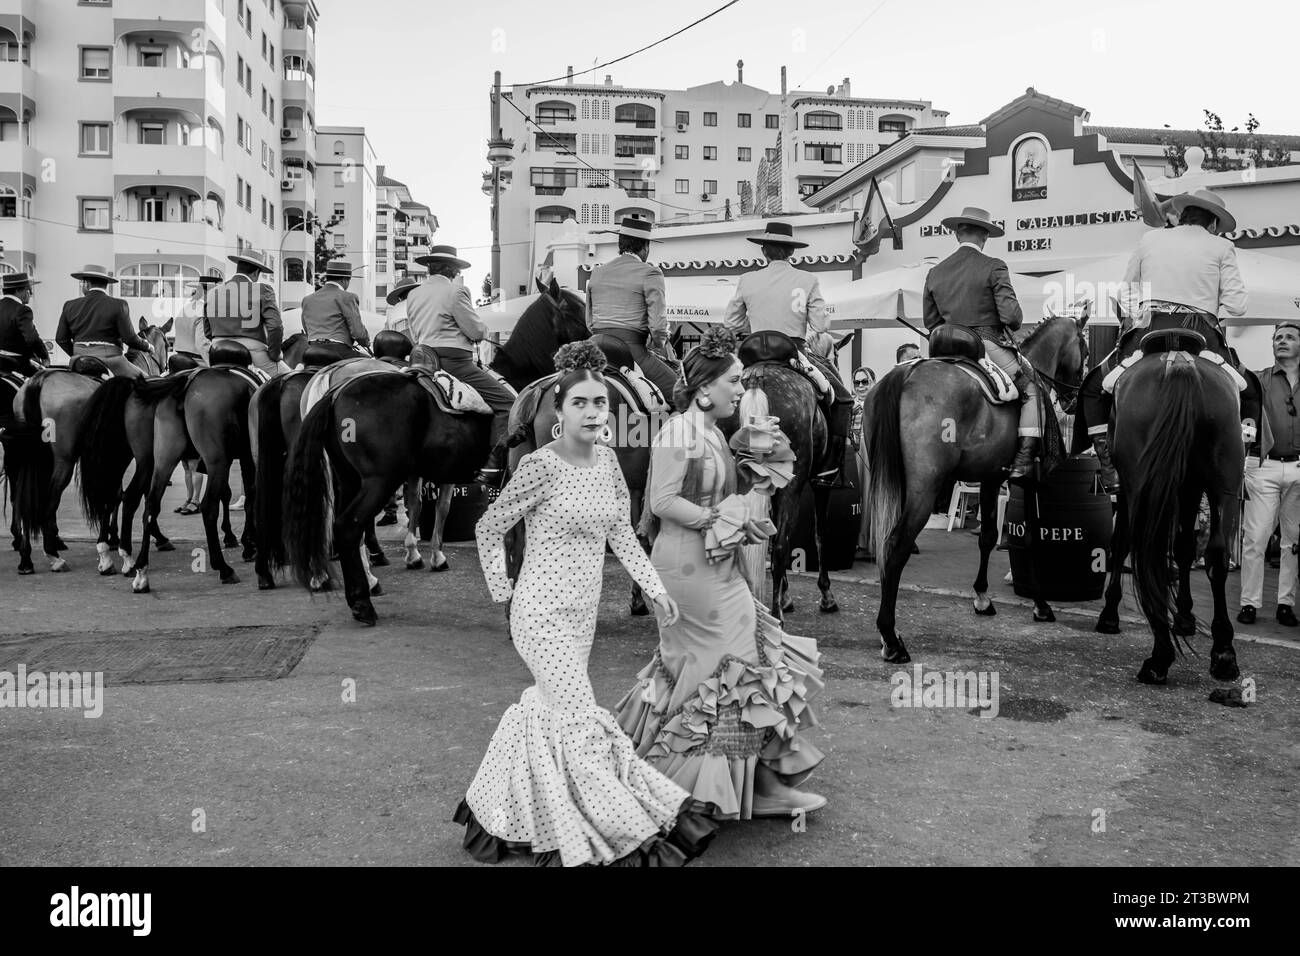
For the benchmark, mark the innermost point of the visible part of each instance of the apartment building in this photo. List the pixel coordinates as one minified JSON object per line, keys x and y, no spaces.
{"x":596,"y":153}
{"x":403,"y":231}
{"x":346,"y":191}
{"x":153,"y":136}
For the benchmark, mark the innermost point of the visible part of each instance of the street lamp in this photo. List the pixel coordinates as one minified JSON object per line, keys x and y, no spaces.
{"x":500,"y":154}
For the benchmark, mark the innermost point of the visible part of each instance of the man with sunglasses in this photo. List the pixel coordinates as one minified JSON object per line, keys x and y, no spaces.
{"x":1273,"y":481}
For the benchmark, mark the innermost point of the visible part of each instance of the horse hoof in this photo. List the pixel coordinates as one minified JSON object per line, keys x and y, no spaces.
{"x":831,"y":608}
{"x":26,"y":569}
{"x":379,"y":560}
{"x":107,"y":572}
{"x":323,"y":586}
{"x":787,"y":607}
{"x":229,"y":577}
{"x":1048,"y":618}
{"x":265,"y":585}
{"x":417,"y":565}
{"x":989,"y":611}
{"x":377,"y":590}
{"x":366,"y":615}
{"x":639,"y":610}
{"x":164,"y":546}
{"x":897,"y":656}
{"x":230,"y":541}
{"x":58,"y":565}
{"x":1224,"y":668}
{"x":142,"y":589}
{"x":1106,"y":625}
{"x":440,"y":566}
{"x":1148,"y":676}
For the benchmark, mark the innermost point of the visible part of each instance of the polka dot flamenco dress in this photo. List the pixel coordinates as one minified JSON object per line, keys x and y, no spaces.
{"x":560,"y":779}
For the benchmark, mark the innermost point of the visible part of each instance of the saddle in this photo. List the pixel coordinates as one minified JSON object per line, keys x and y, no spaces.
{"x":180,"y":362}
{"x":389,"y":344}
{"x":255,"y":377}
{"x":229,"y":353}
{"x":770,"y":347}
{"x":90,"y":367}
{"x":960,"y":346}
{"x":1166,"y":333}
{"x":640,"y":393}
{"x":453,"y":396}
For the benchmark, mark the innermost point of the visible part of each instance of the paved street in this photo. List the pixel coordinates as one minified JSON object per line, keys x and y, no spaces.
{"x":286,"y":772}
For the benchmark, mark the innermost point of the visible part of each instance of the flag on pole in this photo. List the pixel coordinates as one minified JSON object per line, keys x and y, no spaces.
{"x":874,"y":224}
{"x":1153,"y":211}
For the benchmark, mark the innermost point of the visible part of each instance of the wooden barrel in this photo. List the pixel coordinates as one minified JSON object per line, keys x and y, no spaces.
{"x":468,"y":502}
{"x":1075,"y":523}
{"x":839,"y":537}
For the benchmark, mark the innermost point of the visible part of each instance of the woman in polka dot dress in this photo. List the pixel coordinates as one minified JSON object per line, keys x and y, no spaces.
{"x":560,"y":779}
{"x":722,"y":707}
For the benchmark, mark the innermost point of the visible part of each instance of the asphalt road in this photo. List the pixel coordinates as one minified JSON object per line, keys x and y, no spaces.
{"x":1082,"y":765}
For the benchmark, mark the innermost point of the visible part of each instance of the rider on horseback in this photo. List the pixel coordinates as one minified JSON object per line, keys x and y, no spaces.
{"x":97,"y":324}
{"x":1185,"y":275}
{"x":625,"y":303}
{"x":396,"y":320}
{"x":784,"y":299}
{"x":974,"y":290}
{"x":21,"y":348}
{"x":243,"y":309}
{"x":191,"y":346}
{"x":331,"y":316}
{"x":442,"y":319}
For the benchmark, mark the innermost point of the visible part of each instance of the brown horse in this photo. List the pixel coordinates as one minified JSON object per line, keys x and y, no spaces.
{"x":1177,"y":436}
{"x":930,"y":425}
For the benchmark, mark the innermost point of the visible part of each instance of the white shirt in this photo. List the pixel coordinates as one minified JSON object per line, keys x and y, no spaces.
{"x":396,"y":320}
{"x":1188,"y":265}
{"x":778,"y":297}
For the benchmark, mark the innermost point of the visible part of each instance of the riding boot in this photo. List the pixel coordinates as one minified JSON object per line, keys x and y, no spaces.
{"x":832,"y":464}
{"x":390,"y":513}
{"x":1109,"y":477}
{"x":492,"y":471}
{"x":1022,"y":468}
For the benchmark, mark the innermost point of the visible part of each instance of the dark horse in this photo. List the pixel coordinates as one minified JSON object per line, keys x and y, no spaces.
{"x":775,"y":389}
{"x":930,"y":424}
{"x":377,"y":431}
{"x":557,"y":316}
{"x":1177,"y":436}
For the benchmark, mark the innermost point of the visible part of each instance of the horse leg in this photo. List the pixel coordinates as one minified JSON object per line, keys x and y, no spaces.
{"x":1184,"y":624}
{"x":783,"y":510}
{"x":989,"y":534}
{"x":219,"y":491}
{"x":1223,"y":510}
{"x":638,"y":606}
{"x":916,"y":512}
{"x":365,"y":498}
{"x":1108,"y":619}
{"x":412,"y":494}
{"x":438,"y":560}
{"x":372,"y":582}
{"x":1042,"y":610}
{"x":248,"y":537}
{"x":821,"y":518}
{"x":376,"y":553}
{"x":228,"y":539}
{"x":50,"y":530}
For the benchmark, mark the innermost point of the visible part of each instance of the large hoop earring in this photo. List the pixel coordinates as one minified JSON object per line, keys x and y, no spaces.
{"x":557,"y":430}
{"x":607,"y":434}
{"x":701,"y":406}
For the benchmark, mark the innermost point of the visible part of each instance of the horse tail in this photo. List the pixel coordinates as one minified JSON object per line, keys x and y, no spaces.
{"x":1157,"y":482}
{"x":29,"y":469}
{"x":754,"y":401}
{"x":307,"y":492}
{"x":103,"y":450}
{"x":271,"y":453}
{"x":31,"y":412}
{"x":155,"y":390}
{"x":887,"y":489}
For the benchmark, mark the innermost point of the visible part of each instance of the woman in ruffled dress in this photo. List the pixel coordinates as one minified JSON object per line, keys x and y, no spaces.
{"x":722,"y":707}
{"x":560,"y":779}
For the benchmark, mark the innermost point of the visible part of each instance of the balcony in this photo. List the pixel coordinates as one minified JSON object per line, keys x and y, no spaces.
{"x":197,"y":11}
{"x":638,"y":192}
{"x":160,"y":164}
{"x":133,"y":237}
{"x":161,"y":87}
{"x":301,"y":41}
{"x":16,"y":234}
{"x":14,"y":77}
{"x":548,"y":190}
{"x":298,"y":241}
{"x":17,"y":157}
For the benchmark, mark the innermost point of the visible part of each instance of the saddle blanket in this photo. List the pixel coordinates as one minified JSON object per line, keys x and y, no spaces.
{"x":1113,"y":376}
{"x":998,"y":387}
{"x":452,"y":395}
{"x":255,"y":377}
{"x":648,"y":397}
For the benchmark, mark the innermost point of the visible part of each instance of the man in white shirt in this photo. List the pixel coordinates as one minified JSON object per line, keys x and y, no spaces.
{"x":397,"y":319}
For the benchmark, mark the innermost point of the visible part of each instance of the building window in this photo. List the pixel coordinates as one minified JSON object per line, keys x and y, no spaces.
{"x":683,"y":118}
{"x":239,"y":190}
{"x":96,"y":62}
{"x":743,"y":154}
{"x":94,"y":214}
{"x":156,"y":280}
{"x":340,"y":211}
{"x":241,"y":130}
{"x":152,"y":209}
{"x":152,"y":56}
{"x":556,"y":214}
{"x":710,"y":119}
{"x":264,"y":210}
{"x":264,"y":103}
{"x":627,"y":146}
{"x":8,"y":202}
{"x":772,"y":120}
{"x":264,"y":53}
{"x":338,"y":178}
{"x":548,"y":114}
{"x":248,"y":196}
{"x":640,"y":114}
{"x":822,"y":152}
{"x":711,"y":187}
{"x":153,"y":134}
{"x":710,"y":152}
{"x":293,"y":271}
{"x":742,"y":120}
{"x":96,"y":139}
{"x":740,"y":186}
{"x":893,"y":126}
{"x":552,"y":181}
{"x":683,"y":185}
{"x":823,"y":120}
{"x":681,"y":152}
{"x":772,"y":154}
{"x":340,"y":240}
{"x":338,"y":147}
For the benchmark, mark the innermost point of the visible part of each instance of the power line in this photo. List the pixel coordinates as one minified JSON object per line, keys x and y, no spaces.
{"x":601,"y":66}
{"x":852,"y":33}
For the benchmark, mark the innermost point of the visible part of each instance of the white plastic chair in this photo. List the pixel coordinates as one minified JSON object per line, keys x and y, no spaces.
{"x":957,"y":506}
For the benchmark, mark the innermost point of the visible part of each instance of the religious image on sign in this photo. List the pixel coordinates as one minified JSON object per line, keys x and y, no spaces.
{"x":1029,"y":170}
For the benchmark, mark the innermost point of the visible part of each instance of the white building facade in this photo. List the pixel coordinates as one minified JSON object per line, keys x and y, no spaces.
{"x":346,"y":193}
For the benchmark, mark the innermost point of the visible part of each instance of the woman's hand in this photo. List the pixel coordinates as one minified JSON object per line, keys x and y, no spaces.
{"x":667,"y":610}
{"x":754,"y":534}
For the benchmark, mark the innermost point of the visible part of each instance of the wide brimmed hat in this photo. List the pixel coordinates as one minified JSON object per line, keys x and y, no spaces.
{"x":974,"y":216}
{"x":441,"y":254}
{"x":778,"y":234}
{"x":636,"y":228}
{"x":16,"y":282}
{"x":95,"y":274}
{"x":338,"y":269}
{"x":209,"y":280}
{"x":251,"y":257}
{"x":1210,"y":202}
{"x":401,"y":290}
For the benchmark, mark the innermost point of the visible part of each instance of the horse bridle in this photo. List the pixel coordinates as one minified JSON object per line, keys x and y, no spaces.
{"x":1068,"y":395}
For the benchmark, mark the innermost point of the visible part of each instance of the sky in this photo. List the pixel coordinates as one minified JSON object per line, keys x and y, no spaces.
{"x":416,"y":73}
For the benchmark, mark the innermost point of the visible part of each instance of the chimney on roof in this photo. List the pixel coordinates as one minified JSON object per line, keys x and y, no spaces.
{"x":782,"y":83}
{"x":609,"y":79}
{"x":846,"y":87}
{"x":740,"y":71}
{"x":570,"y":78}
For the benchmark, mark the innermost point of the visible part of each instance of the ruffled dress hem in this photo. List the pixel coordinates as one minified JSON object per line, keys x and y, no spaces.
{"x":687,"y":837}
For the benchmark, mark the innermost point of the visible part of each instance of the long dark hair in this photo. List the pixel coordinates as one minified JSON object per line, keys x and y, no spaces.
{"x":704,"y":364}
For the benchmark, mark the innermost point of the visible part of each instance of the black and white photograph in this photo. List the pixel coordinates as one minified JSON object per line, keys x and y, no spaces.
{"x":700,"y":433}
